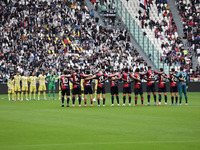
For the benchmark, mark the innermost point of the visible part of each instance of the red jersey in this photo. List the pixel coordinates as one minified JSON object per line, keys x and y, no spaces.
{"x":150,"y":74}
{"x":100,"y":79}
{"x":138,"y":84}
{"x":162,"y":81}
{"x":126,"y":77}
{"x":114,"y":82}
{"x":172,"y":80}
{"x":76,"y":78}
{"x":64,"y":82}
{"x":88,"y":82}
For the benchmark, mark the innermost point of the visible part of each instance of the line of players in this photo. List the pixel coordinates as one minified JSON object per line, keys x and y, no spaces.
{"x":127,"y":78}
{"x":73,"y":81}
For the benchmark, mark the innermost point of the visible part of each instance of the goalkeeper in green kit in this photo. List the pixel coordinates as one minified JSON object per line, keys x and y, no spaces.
{"x":52,"y":87}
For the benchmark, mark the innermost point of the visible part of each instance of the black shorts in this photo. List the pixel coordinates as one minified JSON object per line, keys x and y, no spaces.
{"x":138,"y":91}
{"x":127,"y":90}
{"x":164,"y":89}
{"x":88,"y":89}
{"x":174,"y":89}
{"x":151,"y":88}
{"x":114,"y":90}
{"x":101,"y":90}
{"x":66,"y":91}
{"x":76,"y":91}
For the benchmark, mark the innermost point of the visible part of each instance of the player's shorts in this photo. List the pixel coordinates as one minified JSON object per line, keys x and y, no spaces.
{"x":151,"y":88}
{"x":174,"y":89}
{"x":88,"y":89}
{"x":114,"y":90}
{"x":42,"y":87}
{"x":76,"y":90}
{"x":66,"y":91}
{"x":52,"y":87}
{"x":138,"y":91}
{"x":164,"y":89}
{"x":17,"y":88}
{"x":24,"y":88}
{"x":32,"y":89}
{"x":101,"y":90}
{"x":127,"y":90}
{"x":11,"y":91}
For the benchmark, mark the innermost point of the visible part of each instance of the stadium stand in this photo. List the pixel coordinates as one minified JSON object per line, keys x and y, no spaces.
{"x":50,"y":36}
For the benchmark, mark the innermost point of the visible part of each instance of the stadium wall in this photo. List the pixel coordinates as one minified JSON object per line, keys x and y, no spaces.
{"x":193,"y":87}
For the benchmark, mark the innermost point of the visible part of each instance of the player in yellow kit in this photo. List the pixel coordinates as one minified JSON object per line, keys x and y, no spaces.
{"x":82,"y":88}
{"x":95,"y":89}
{"x":10,"y":85}
{"x":42,"y":85}
{"x":24,"y":86}
{"x":17,"y":80}
{"x":32,"y":79}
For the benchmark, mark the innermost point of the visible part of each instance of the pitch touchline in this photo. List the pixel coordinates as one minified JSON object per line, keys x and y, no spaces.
{"x":147,"y":142}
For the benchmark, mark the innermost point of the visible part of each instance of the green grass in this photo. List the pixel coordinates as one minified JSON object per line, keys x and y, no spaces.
{"x":35,"y":125}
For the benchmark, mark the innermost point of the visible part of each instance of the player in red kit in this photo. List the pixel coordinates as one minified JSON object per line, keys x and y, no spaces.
{"x":88,"y":89}
{"x":76,"y":78}
{"x":65,"y":79}
{"x":150,"y":77}
{"x":173,"y":86}
{"x":126,"y":86}
{"x":114,"y":88}
{"x":101,"y":86}
{"x":138,"y":86}
{"x":162,"y":86}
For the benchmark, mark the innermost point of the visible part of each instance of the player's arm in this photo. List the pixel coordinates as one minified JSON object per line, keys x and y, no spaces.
{"x":57,"y":77}
{"x":74,"y":82}
{"x":68,"y":76}
{"x":93,"y":77}
{"x":165,"y":76}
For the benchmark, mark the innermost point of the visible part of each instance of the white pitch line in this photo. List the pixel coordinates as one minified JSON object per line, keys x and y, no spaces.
{"x":106,"y":143}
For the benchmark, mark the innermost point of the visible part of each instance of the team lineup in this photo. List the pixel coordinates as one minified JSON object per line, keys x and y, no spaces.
{"x":80,"y":85}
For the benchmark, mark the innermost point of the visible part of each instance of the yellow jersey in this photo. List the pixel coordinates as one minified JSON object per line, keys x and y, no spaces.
{"x":42,"y":79}
{"x":24,"y":81}
{"x":10,"y":84}
{"x":32,"y":80}
{"x":17,"y":80}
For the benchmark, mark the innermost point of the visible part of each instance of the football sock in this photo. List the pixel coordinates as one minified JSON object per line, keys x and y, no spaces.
{"x":49,"y":94}
{"x":124,"y":98}
{"x":160,"y":98}
{"x":98,"y":100}
{"x":180,"y":99}
{"x":34,"y":95}
{"x":26,"y":95}
{"x":59,"y":94}
{"x":67,"y":100}
{"x":172,"y":98}
{"x":148,"y":97}
{"x":22,"y":95}
{"x":18,"y":94}
{"x":39,"y":94}
{"x":117,"y":97}
{"x":8,"y":96}
{"x":165,"y":98}
{"x":44,"y":94}
{"x":176,"y":99}
{"x":112,"y":98}
{"x":129,"y":98}
{"x":154,"y":96}
{"x":186,"y":99}
{"x":82,"y":95}
{"x":53,"y":94}
{"x":73,"y":100}
{"x":142,"y":100}
{"x":91,"y":101}
{"x":63,"y":100}
{"x":104,"y":100}
{"x":136,"y":100}
{"x":79,"y":99}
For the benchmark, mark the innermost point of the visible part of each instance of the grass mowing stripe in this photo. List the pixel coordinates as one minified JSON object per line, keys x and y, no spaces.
{"x":106,"y":143}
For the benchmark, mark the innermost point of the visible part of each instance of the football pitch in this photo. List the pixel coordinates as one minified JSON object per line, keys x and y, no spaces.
{"x":39,"y":125}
